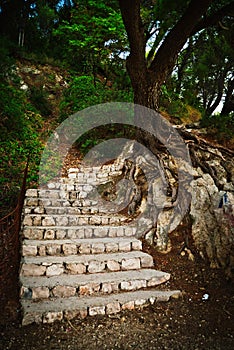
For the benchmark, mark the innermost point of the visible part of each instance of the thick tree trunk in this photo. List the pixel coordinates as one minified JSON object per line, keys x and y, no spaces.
{"x":147,"y":81}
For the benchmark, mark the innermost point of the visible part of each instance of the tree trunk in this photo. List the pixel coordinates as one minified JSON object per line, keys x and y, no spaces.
{"x":147,"y":81}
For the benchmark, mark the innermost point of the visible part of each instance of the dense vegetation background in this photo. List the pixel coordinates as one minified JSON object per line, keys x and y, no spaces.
{"x":59,"y":57}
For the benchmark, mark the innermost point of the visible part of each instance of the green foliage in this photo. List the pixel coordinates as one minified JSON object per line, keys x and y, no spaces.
{"x":19,"y":138}
{"x":84,"y":92}
{"x":221,"y":125}
{"x":93,"y":37}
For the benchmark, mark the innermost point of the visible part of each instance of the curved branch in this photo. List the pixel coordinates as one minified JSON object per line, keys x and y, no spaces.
{"x":214,"y":18}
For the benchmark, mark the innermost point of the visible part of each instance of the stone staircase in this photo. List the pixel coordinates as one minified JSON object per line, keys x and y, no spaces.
{"x":80,"y":258}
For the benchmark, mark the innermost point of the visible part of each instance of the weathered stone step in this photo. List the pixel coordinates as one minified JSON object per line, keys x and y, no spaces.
{"x":68,"y":308}
{"x":34,"y":202}
{"x":72,"y":220}
{"x":79,"y":246}
{"x":104,"y":283}
{"x":68,"y":192}
{"x":88,"y":231}
{"x":81,"y":264}
{"x":68,"y":210}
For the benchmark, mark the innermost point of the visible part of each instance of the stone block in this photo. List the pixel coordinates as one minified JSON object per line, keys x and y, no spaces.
{"x":76,"y":269}
{"x":39,"y":210}
{"x":49,"y":234}
{"x":97,"y":248}
{"x":60,"y":234}
{"x":140,"y":302}
{"x":129,"y":232}
{"x":133,"y":285}
{"x":84,"y":248}
{"x":96,"y":266}
{"x":31,"y":317}
{"x":105,"y":220}
{"x":54,"y":270}
{"x":48,"y":221}
{"x":32,"y":202}
{"x":106,"y":288}
{"x":31,"y":192}
{"x":37,"y":221}
{"x":51,"y":317}
{"x":40,"y":293}
{"x":113,"y":308}
{"x":71,"y":233}
{"x":62,"y":221}
{"x":137,"y":245}
{"x":33,"y":270}
{"x":96,"y":310}
{"x":113,"y":232}
{"x":114,"y":220}
{"x":29,"y":250}
{"x":124,"y":246}
{"x":128,"y":306}
{"x":28,"y":221}
{"x":120,"y":231}
{"x":69,"y":249}
{"x":83,"y":221}
{"x":88,"y":233}
{"x":113,"y":265}
{"x":147,"y":261}
{"x":83,"y":312}
{"x":53,"y":249}
{"x":112,"y":247}
{"x":37,"y":233}
{"x":131,"y":264}
{"x":100,"y":232}
{"x":70,"y":314}
{"x":64,"y":291}
{"x":89,"y":289}
{"x":74,"y":221}
{"x":95,"y":220}
{"x":42,"y":250}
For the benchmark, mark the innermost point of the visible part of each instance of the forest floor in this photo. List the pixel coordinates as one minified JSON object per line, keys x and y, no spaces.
{"x":202,"y":319}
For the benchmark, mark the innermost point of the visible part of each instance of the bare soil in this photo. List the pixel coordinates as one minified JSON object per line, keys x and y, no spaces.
{"x":201,"y":319}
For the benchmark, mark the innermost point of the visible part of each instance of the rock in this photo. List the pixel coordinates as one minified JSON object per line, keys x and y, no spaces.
{"x":64,"y":291}
{"x":69,"y":249}
{"x":54,"y":270}
{"x":113,"y":265}
{"x":33,"y":270}
{"x":112,"y":308}
{"x":40,"y":293}
{"x":96,"y":266}
{"x":29,"y":250}
{"x":131,"y":264}
{"x":51,"y":317}
{"x":96,"y":310}
{"x":76,"y":269}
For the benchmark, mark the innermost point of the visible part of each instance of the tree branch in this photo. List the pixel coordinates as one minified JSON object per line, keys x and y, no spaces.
{"x":177,"y":37}
{"x":214,"y":18}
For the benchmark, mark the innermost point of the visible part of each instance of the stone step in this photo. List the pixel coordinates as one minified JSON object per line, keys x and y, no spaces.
{"x":65,"y":191}
{"x":81,"y":264}
{"x":79,"y":246}
{"x":87,"y":231}
{"x":72,"y":220}
{"x":68,"y":308}
{"x":103,"y":283}
{"x":35,"y":202}
{"x":69,"y":210}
